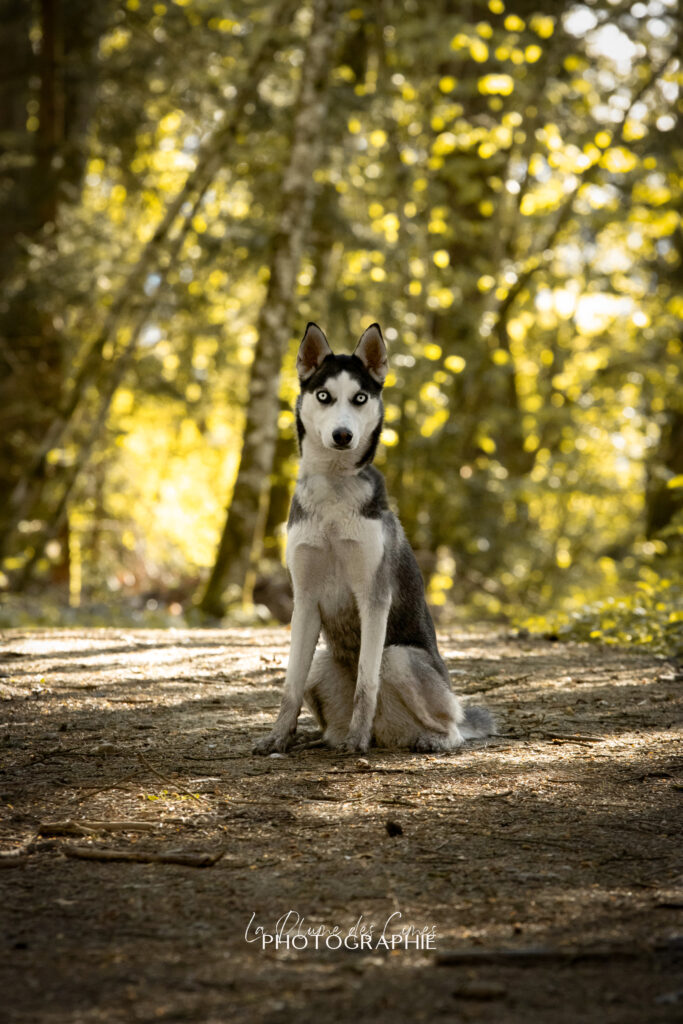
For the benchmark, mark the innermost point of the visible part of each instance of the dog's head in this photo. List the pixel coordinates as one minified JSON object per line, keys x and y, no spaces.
{"x":340,"y":405}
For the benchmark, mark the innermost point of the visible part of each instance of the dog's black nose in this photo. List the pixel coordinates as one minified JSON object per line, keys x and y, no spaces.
{"x":342,"y":437}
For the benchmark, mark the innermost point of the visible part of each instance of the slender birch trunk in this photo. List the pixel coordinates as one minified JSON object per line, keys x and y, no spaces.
{"x":244,"y":525}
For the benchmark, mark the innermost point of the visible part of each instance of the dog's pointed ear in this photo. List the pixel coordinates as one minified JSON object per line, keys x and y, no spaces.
{"x":372,"y":353}
{"x":312,"y":350}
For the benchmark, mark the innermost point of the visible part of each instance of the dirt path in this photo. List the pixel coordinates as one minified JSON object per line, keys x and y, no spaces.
{"x":558,"y":841}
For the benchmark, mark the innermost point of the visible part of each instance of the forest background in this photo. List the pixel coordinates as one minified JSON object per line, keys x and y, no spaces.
{"x":184,"y":184}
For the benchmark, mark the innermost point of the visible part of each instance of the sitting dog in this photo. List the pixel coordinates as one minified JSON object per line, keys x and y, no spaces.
{"x":381,"y":678}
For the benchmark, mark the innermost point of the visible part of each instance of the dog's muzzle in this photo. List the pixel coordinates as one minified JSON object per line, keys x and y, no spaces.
{"x":342,"y":437}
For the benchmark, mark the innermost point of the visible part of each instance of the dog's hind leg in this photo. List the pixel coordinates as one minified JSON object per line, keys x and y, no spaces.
{"x":329,"y":695}
{"x":416,"y":707}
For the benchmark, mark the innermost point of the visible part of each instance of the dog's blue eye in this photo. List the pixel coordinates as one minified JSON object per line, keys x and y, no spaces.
{"x":323,"y":396}
{"x":360,"y":398}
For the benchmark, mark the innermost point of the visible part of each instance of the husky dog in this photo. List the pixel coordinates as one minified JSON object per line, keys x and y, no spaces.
{"x":381,"y":678}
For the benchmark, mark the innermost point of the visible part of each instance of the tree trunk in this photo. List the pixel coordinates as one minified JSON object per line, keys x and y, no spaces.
{"x":18,"y":65}
{"x":40,"y":161}
{"x":244,"y":524}
{"x":280,"y":493}
{"x":662,"y":502}
{"x":31,"y":349}
{"x":50,"y":142}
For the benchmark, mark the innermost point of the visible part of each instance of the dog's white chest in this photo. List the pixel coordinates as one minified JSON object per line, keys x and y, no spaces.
{"x":332,"y":506}
{"x":333,"y":543}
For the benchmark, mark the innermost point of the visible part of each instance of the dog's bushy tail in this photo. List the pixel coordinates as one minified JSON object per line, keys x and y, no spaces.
{"x":478,"y":722}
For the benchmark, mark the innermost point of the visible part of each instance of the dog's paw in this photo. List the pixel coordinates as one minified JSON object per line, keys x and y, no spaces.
{"x":308,"y":740}
{"x":428,"y":745}
{"x":354,"y":745}
{"x":272,"y":744}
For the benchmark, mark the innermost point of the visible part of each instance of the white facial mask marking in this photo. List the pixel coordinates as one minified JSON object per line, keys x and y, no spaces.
{"x":322,"y":419}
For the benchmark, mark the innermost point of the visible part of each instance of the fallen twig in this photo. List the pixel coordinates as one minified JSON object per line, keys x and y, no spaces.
{"x":495,"y":684}
{"x":397,"y":801}
{"x":190,"y":860}
{"x":670,"y":903}
{"x":169,"y":782}
{"x":213,"y":757}
{"x":71,"y":827}
{"x":563,"y":737}
{"x":112,"y":785}
{"x":13,"y":858}
{"x":364,"y":769}
{"x":325,"y":798}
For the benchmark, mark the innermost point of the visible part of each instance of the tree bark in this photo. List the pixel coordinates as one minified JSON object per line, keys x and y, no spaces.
{"x":279,"y":492}
{"x":239,"y":543}
{"x":32,"y":368}
{"x":662,"y":502}
{"x":51,"y":127}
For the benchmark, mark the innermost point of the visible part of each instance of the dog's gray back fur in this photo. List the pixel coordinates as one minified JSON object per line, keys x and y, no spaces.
{"x":356,"y":579}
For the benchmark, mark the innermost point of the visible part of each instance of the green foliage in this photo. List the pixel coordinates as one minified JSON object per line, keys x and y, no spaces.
{"x":649,"y":614}
{"x":635,"y":600}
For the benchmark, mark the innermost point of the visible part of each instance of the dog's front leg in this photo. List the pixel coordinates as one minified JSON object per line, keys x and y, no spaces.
{"x":305,"y":632}
{"x":373,"y":628}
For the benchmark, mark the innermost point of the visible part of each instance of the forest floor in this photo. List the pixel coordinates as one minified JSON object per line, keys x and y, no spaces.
{"x":542,"y":868}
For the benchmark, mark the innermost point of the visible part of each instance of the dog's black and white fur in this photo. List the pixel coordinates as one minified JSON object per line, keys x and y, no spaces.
{"x":380,"y":678}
